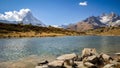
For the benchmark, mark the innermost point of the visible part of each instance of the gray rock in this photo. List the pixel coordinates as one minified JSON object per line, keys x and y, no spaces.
{"x":80,"y":64}
{"x":89,"y":65}
{"x":105,"y":58}
{"x":110,"y":66}
{"x":93,"y":59}
{"x":56,"y":64}
{"x":115,"y":63}
{"x":117,"y":57}
{"x":70,"y":64}
{"x":67,"y":57}
{"x":43,"y":66}
{"x":88,"y":52}
{"x":118,"y":54}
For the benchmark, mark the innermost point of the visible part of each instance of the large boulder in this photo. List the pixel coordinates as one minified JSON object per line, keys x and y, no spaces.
{"x":80,"y":64}
{"x":88,"y":52}
{"x":56,"y":64}
{"x":89,"y":65}
{"x":67,"y":57}
{"x":70,"y":64}
{"x":110,"y":66}
{"x":105,"y":58}
{"x":117,"y":64}
{"x":93,"y":59}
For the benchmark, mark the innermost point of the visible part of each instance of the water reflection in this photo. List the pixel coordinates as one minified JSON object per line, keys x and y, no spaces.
{"x":110,"y":44}
{"x":12,"y":48}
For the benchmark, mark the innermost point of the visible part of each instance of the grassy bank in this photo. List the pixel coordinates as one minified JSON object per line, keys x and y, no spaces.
{"x":105,"y":31}
{"x":20,"y":30}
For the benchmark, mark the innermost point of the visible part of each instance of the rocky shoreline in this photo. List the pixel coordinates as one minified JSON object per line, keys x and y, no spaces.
{"x":89,"y":59}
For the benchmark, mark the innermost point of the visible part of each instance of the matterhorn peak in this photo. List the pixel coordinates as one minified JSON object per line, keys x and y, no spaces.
{"x":30,"y":19}
{"x":23,"y":15}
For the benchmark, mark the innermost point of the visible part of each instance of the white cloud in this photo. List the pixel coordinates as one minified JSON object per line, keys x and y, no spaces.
{"x":14,"y":15}
{"x":83,"y":3}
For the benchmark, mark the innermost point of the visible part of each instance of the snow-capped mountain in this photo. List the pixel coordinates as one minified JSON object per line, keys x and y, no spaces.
{"x":23,"y":16}
{"x":110,"y":19}
{"x":29,"y":18}
{"x":93,"y":22}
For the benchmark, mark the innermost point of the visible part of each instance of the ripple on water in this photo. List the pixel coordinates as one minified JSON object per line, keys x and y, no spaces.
{"x":20,"y":48}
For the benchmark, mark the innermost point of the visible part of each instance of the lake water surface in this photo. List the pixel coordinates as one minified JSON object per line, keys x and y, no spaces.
{"x":17,"y":48}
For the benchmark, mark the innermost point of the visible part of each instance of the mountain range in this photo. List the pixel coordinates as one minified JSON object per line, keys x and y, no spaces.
{"x":93,"y":22}
{"x":25,"y":16}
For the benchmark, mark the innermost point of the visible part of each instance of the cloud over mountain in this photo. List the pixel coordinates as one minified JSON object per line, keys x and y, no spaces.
{"x":24,"y":16}
{"x":14,"y":15}
{"x":83,"y":3}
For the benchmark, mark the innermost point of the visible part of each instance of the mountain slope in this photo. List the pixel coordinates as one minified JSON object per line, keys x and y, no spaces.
{"x":93,"y":22}
{"x":30,"y":19}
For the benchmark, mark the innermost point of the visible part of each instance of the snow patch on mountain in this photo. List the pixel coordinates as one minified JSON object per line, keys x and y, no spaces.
{"x":105,"y":19}
{"x":110,"y":19}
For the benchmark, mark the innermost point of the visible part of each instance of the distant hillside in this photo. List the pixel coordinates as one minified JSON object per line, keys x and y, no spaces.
{"x":105,"y":31}
{"x":20,"y":30}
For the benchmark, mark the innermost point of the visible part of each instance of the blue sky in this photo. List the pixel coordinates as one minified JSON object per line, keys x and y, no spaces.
{"x":57,"y":12}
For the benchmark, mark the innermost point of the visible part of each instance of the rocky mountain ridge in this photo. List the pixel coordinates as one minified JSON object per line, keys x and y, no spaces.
{"x":93,"y":22}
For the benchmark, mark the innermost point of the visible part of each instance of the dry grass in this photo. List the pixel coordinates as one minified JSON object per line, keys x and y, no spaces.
{"x":105,"y":31}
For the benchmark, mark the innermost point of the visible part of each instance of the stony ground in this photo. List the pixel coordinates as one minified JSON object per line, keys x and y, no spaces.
{"x":89,"y":59}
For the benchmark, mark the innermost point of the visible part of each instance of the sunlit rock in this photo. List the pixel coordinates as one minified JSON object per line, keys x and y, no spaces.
{"x":88,"y":52}
{"x":93,"y":59}
{"x":106,"y":58}
{"x":43,"y":66}
{"x":67,"y":57}
{"x":110,"y":66}
{"x":89,"y":65}
{"x":56,"y":64}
